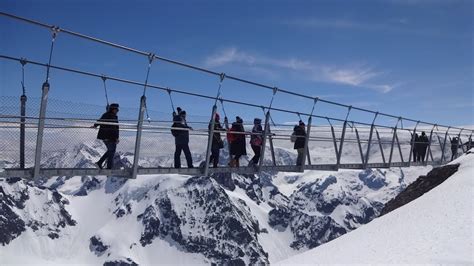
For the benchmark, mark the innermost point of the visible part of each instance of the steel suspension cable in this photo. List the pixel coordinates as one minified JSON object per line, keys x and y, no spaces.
{"x":191,"y":66}
{"x":151,"y":57}
{"x":23,"y":62}
{"x":55,"y":31}
{"x":104,"y":79}
{"x":171,"y":99}
{"x":181,"y":91}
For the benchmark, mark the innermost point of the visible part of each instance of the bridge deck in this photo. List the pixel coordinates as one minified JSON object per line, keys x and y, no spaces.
{"x":50,"y":172}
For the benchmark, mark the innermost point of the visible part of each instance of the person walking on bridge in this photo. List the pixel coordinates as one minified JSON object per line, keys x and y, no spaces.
{"x":416,"y":147}
{"x":217,"y":143}
{"x":236,"y":139}
{"x":299,"y":137}
{"x":109,"y":134}
{"x":423,"y":145}
{"x":180,"y":131}
{"x":256,"y":140}
{"x":468,"y":144}
{"x":454,"y":148}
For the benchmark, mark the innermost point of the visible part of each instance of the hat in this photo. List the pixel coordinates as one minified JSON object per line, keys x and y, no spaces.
{"x":257,"y":121}
{"x":238,"y":119}
{"x":301,"y":123}
{"x":113,"y":106}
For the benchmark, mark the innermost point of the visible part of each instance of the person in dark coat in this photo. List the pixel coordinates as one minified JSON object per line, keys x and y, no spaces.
{"x":416,"y":147}
{"x":180,"y":132}
{"x":299,"y":133}
{"x":237,"y":142}
{"x":454,"y":148}
{"x":256,"y":140}
{"x":109,"y":134}
{"x":468,"y":144}
{"x":423,"y":145}
{"x":217,"y":143}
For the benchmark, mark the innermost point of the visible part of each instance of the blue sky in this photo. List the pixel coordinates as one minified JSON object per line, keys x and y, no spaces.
{"x":411,"y":58}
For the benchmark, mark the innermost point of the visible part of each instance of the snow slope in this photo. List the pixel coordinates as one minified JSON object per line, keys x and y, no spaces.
{"x":436,"y":228}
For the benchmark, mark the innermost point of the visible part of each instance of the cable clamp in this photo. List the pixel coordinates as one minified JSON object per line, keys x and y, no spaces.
{"x":222,"y":76}
{"x":54,"y":31}
{"x":151,"y":57}
{"x":275,"y":90}
{"x":23,"y":61}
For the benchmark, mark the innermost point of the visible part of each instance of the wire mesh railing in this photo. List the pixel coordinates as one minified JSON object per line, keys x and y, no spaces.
{"x":70,"y":142}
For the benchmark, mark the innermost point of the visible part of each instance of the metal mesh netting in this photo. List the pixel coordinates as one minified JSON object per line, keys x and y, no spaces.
{"x":68,"y":136}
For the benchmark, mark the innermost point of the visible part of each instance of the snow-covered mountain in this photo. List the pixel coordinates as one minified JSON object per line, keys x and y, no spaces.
{"x":433,"y":229}
{"x":226,"y":219}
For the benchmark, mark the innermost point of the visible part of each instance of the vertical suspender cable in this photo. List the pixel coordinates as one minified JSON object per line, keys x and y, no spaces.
{"x":171,"y":99}
{"x":151,"y":57}
{"x":23,"y":114}
{"x":42,"y":112}
{"x":104,"y":79}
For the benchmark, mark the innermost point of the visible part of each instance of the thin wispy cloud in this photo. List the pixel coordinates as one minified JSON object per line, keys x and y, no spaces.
{"x":355,"y":75}
{"x":393,"y":25}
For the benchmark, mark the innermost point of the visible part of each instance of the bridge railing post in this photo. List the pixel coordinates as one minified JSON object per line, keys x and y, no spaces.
{"x":399,"y":148}
{"x":393,"y":143}
{"x":334,"y":140}
{"x":444,"y":145}
{"x":272,"y":148}
{"x":138,"y":138}
{"x":429,"y":146}
{"x":370,"y":140}
{"x":380,"y":145}
{"x":40,"y":133}
{"x":339,"y":154}
{"x":266,"y":130}
{"x":360,"y":146}
{"x":23,"y":99}
{"x":459,"y":140}
{"x":412,"y":143}
{"x":306,"y":141}
{"x":212,"y":124}
{"x":342,"y":138}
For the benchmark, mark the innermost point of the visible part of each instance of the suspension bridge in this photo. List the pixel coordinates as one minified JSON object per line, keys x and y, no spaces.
{"x":377,"y":145}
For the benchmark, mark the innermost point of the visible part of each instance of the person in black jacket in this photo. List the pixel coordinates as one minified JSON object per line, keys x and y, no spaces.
{"x":181,"y":139}
{"x":256,"y":140}
{"x":468,"y":144}
{"x":217,"y":142}
{"x":109,"y":134}
{"x":454,"y":148}
{"x":416,"y":147}
{"x":237,"y":142}
{"x":423,"y":145}
{"x":300,"y":134}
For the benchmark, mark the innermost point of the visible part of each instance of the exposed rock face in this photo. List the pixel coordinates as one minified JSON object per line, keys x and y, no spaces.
{"x":25,"y":206}
{"x":199,"y":217}
{"x":97,"y":246}
{"x":227,"y":219}
{"x":374,"y":179}
{"x":422,"y":185}
{"x":121,"y":262}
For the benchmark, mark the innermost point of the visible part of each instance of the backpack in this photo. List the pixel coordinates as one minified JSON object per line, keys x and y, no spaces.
{"x":231,"y":137}
{"x":293,"y":137}
{"x":175,"y":132}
